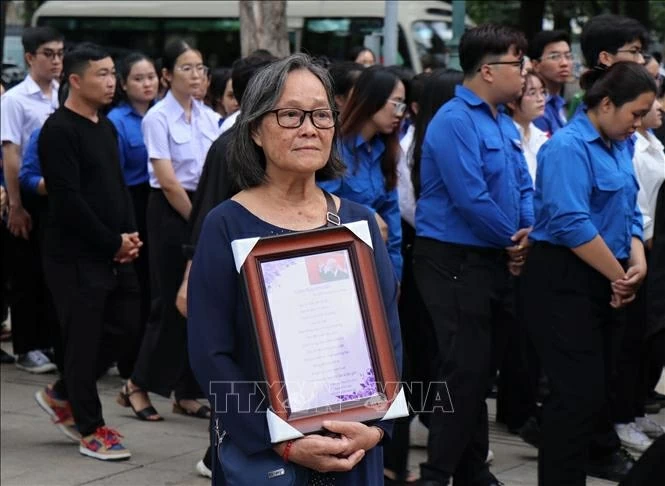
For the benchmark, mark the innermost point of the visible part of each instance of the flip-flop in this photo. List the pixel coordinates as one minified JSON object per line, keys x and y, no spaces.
{"x":202,"y":412}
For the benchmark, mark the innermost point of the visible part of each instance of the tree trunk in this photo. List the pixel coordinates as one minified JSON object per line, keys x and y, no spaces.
{"x":639,"y":10}
{"x":263,"y":26}
{"x":3,"y":23}
{"x":562,"y":11}
{"x":615,"y":7}
{"x":531,"y":17}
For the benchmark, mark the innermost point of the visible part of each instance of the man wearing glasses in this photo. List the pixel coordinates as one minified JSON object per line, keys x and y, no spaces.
{"x":552,"y":59}
{"x":473,"y":218}
{"x":25,"y":108}
{"x":609,"y":38}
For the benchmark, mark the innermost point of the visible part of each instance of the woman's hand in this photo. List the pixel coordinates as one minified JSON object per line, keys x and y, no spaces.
{"x":383,"y":227}
{"x":359,"y":436}
{"x":181,"y":298}
{"x":323,"y":454}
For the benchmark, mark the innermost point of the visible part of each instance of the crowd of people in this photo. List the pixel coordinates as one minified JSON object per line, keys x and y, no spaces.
{"x":518,"y":235}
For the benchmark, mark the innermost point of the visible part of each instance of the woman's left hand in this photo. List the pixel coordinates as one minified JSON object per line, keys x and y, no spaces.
{"x":360,"y":436}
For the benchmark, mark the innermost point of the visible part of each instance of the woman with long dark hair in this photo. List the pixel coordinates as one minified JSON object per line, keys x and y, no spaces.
{"x":136,"y":91}
{"x":370,"y":150}
{"x":178,"y":131}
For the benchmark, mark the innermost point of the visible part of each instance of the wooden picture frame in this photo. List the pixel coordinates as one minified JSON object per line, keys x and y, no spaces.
{"x":334,"y":260}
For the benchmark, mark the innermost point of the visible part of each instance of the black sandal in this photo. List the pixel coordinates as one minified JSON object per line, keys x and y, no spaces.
{"x":202,"y":412}
{"x":124,"y":401}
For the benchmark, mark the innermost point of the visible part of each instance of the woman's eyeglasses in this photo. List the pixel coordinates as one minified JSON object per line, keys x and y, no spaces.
{"x":294,"y":117}
{"x":400,"y":108}
{"x":189,"y":69}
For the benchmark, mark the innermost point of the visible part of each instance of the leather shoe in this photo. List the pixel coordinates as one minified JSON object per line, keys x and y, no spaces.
{"x":613,"y":467}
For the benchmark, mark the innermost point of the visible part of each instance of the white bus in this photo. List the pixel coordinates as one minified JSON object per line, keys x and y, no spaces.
{"x":321,"y":28}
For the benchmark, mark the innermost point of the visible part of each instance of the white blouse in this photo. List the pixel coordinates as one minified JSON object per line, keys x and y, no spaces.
{"x":407,"y":200}
{"x":531,"y":147}
{"x":649,"y":162}
{"x":169,"y":136}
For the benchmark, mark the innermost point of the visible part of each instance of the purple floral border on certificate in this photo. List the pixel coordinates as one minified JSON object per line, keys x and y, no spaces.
{"x":367,"y":388}
{"x":272,"y":270}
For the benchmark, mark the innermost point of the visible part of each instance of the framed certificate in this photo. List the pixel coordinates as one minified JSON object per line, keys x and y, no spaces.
{"x":321,"y":327}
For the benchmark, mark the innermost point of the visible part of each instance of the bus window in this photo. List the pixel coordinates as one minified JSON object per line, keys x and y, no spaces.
{"x":334,"y":37}
{"x":430,"y":38}
{"x":217,"y":39}
{"x":118,"y":35}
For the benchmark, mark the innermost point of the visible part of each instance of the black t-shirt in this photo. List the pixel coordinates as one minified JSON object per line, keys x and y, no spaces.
{"x":89,"y":203}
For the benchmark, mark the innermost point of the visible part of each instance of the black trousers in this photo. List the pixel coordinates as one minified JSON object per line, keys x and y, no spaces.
{"x":419,"y":353}
{"x":139,"y":194}
{"x":519,"y":370}
{"x":468,"y":294}
{"x":162,"y":365}
{"x":630,"y":388}
{"x":34,"y":325}
{"x":577,"y":335}
{"x":98,"y":308}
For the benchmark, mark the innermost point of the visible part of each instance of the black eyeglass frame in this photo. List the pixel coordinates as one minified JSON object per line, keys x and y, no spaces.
{"x":521,"y":63}
{"x":334,"y":113}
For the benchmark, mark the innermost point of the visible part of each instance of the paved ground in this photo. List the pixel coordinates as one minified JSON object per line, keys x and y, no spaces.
{"x":35,"y":453}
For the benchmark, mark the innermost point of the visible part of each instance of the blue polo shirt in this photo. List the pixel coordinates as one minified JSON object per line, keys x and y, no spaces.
{"x":554,"y":117}
{"x":585,"y":188}
{"x":30,"y":172}
{"x":476,"y":187}
{"x":133,"y":154}
{"x":364,"y":183}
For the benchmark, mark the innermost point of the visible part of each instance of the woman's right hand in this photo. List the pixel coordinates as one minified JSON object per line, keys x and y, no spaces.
{"x":181,"y":298}
{"x":321,"y":453}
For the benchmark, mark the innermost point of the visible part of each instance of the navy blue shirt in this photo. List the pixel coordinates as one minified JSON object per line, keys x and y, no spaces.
{"x":554,"y":117}
{"x":584,"y":189}
{"x":30,"y":172}
{"x":133,"y":154}
{"x":476,"y":187}
{"x":221,"y":336}
{"x":364,"y":183}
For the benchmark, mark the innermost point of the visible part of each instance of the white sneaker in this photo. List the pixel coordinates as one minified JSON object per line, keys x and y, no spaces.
{"x":203,"y":470}
{"x":649,"y":427}
{"x":35,"y":362}
{"x":632,"y":437}
{"x":490,"y":456}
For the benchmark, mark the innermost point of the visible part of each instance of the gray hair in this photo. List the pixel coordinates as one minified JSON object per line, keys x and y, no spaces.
{"x":247,"y":161}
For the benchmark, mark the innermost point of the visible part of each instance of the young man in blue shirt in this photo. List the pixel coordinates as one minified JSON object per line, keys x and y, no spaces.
{"x":551,"y":57}
{"x":472,"y":224}
{"x":24,"y":108}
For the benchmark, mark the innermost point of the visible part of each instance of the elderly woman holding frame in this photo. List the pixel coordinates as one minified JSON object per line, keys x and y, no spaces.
{"x":285,"y":141}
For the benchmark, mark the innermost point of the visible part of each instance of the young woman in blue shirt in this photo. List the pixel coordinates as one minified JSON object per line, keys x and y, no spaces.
{"x":586,"y":264}
{"x":370,"y":150}
{"x":137,"y":89}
